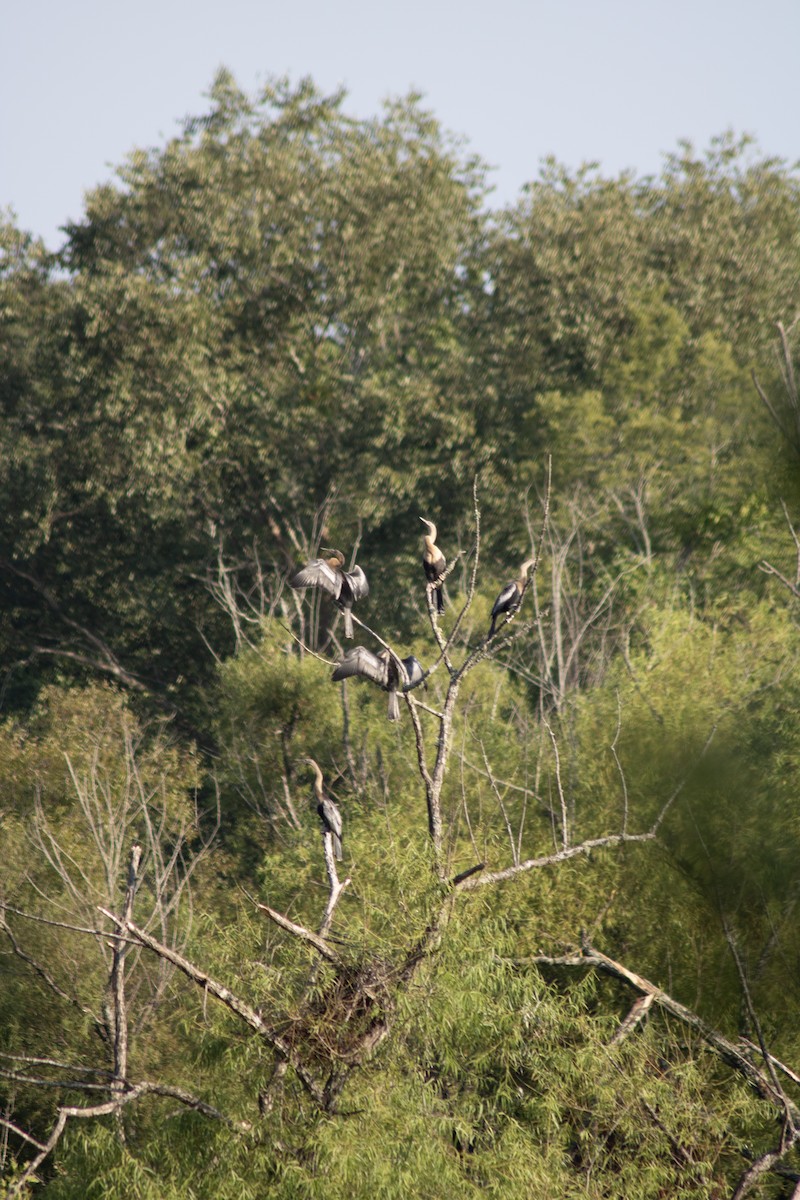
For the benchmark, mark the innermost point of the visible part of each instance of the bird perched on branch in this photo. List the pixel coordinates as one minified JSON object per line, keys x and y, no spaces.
{"x":329,"y":814}
{"x":329,"y":574}
{"x":510,"y":598}
{"x":383,"y":669}
{"x":433,"y":562}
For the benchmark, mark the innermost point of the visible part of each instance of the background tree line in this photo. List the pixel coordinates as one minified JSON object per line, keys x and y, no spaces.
{"x":288,"y":328}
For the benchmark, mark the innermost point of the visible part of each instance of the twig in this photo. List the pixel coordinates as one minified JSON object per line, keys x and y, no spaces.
{"x":619,"y":767}
{"x":562,"y":798}
{"x":499,"y":798}
{"x":682,"y":784}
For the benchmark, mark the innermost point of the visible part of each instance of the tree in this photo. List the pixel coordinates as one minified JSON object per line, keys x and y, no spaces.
{"x":225,"y":361}
{"x":98,"y":804}
{"x":434,"y":982}
{"x":287,"y":329}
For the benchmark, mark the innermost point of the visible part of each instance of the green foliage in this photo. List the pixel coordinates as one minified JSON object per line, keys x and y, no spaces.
{"x":289,"y":328}
{"x":273,"y":710}
{"x":698,"y":721}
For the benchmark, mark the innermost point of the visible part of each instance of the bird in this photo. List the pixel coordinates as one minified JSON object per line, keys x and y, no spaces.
{"x":329,"y":574}
{"x":329,"y":815}
{"x":510,"y":598}
{"x":383,"y":669}
{"x":434,"y":563}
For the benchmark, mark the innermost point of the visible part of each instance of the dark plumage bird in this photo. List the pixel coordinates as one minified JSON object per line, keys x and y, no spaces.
{"x":329,"y":815}
{"x":509,"y":599}
{"x":433,"y":562}
{"x":384,"y":670}
{"x":329,"y":574}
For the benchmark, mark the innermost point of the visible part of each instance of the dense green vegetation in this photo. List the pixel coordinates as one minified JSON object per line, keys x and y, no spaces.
{"x":289,"y":329}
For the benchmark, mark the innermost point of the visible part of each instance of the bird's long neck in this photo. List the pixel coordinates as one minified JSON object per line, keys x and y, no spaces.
{"x":523,"y":573}
{"x":431,"y":550}
{"x":317,"y":780}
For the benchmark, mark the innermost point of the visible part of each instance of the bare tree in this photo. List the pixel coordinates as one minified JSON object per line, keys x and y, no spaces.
{"x":252,"y":587}
{"x":125,"y":844}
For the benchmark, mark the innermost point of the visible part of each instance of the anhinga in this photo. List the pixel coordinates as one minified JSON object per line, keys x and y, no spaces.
{"x":433,"y":562}
{"x":509,"y":599}
{"x":345,"y":586}
{"x":329,"y":814}
{"x":382,"y":669}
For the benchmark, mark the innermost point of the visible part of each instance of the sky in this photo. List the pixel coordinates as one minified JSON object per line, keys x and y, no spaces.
{"x":84,"y":82}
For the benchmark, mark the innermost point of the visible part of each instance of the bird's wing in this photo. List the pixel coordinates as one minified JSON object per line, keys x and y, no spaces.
{"x":318,"y":573}
{"x":360,"y":661}
{"x":356,"y":580}
{"x":434,"y":570}
{"x":505,"y":598}
{"x":333,"y":818}
{"x":414,"y":672}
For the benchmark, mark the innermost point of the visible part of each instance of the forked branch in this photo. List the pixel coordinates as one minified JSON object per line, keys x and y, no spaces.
{"x":234,"y":1003}
{"x":739,"y":1055}
{"x":71,"y":1112}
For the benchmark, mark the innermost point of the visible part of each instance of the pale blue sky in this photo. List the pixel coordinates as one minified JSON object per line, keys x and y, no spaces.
{"x":83,"y":82}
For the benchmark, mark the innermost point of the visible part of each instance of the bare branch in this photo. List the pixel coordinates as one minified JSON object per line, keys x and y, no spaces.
{"x":116,"y":981}
{"x":769,"y":569}
{"x":791,"y":1130}
{"x":420,"y":744}
{"x":562,"y":799}
{"x":634,"y":1018}
{"x":736,"y":1056}
{"x":787,"y":367}
{"x":18,"y":912}
{"x":300,"y":931}
{"x":770,"y":409}
{"x":499,"y":798}
{"x":46,"y":975}
{"x":763,"y":1164}
{"x":20,"y":1133}
{"x":791,"y":432}
{"x":619,"y":767}
{"x":550,"y":860}
{"x":72,"y":1112}
{"x":237,"y":1006}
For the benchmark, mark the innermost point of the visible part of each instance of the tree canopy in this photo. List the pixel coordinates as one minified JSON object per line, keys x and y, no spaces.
{"x":558,"y":957}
